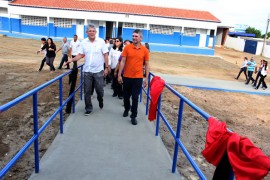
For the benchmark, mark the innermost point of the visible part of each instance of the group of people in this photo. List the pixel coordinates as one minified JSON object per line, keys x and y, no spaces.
{"x":124,"y":61}
{"x":249,"y":67}
{"x":48,"y":48}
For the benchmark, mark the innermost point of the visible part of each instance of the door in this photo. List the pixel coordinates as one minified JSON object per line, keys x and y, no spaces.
{"x":80,"y":29}
{"x":250,"y":46}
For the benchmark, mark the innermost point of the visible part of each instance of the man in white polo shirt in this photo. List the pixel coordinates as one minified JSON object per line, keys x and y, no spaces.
{"x":74,"y":48}
{"x":96,"y":54}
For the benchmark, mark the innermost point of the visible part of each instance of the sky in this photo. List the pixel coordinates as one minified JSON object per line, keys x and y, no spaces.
{"x":230,"y":12}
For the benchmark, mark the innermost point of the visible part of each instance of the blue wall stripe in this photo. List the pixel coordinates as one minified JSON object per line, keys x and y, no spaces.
{"x":16,"y":25}
{"x":164,"y":38}
{"x":181,"y":49}
{"x":190,"y":40}
{"x":4,"y":23}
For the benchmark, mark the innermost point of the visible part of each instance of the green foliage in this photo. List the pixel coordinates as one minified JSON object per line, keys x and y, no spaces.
{"x":252,"y":30}
{"x":268,"y":35}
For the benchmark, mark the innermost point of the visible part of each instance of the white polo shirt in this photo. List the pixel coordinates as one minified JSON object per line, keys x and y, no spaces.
{"x":94,"y":54}
{"x":75,"y":47}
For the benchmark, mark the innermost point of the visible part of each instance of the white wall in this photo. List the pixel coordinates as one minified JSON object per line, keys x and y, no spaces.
{"x":235,"y":43}
{"x":267,"y":51}
{"x":239,"y":45}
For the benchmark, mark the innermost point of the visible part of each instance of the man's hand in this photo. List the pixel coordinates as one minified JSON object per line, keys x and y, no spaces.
{"x":105,"y":72}
{"x":120,"y":80}
{"x":69,"y":61}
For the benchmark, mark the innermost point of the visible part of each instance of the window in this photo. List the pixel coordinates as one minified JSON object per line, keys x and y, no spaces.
{"x":190,"y":32}
{"x":139,"y":26}
{"x":128,"y":25}
{"x":34,"y":20}
{"x":157,"y":29}
{"x":61,"y":22}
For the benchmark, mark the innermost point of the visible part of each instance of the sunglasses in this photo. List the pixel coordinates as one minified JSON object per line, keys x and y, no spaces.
{"x":117,"y":41}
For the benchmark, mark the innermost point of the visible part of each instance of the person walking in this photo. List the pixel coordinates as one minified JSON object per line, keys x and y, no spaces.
{"x":133,"y":57}
{"x":243,"y":68}
{"x":43,"y":42}
{"x":251,"y":67}
{"x":50,"y":55}
{"x":114,"y":55}
{"x":96,"y":53}
{"x":264,"y":72}
{"x":74,"y":48}
{"x":65,"y":50}
{"x":258,"y":72}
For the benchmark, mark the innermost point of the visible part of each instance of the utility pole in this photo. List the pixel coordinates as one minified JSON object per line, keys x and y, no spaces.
{"x":264,"y":41}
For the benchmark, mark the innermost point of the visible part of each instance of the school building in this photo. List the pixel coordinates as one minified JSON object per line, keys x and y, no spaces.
{"x":165,"y":29}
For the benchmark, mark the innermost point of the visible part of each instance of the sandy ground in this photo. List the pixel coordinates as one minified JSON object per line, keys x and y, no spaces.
{"x":249,"y":115}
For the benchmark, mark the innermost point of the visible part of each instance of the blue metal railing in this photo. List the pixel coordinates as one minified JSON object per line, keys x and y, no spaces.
{"x":176,"y":135}
{"x":37,"y":132}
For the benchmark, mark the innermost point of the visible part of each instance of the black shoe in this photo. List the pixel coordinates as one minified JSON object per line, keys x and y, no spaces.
{"x":114,"y":95}
{"x":120,"y":97}
{"x":236,"y":78}
{"x":134,"y":121}
{"x":125,"y":114}
{"x":87,"y":113}
{"x":256,"y":88}
{"x":101,"y":105}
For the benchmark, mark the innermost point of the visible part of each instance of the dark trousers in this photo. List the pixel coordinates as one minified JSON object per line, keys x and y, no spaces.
{"x":64,"y":59}
{"x":250,"y":77}
{"x":88,"y":83}
{"x":262,"y":81}
{"x":74,"y":63}
{"x":49,"y":62}
{"x":42,"y":63}
{"x":114,"y":82}
{"x":244,"y":69}
{"x":257,"y":77}
{"x":132,"y":87}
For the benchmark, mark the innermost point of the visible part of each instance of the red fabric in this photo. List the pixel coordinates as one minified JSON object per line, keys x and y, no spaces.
{"x":248,"y":162}
{"x":156,"y":87}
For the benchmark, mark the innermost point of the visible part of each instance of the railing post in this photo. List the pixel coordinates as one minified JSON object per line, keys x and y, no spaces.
{"x":73,"y":103}
{"x":35,"y":119}
{"x":61,"y":104}
{"x":179,"y":123}
{"x":158,"y":114}
{"x":81,"y":81}
{"x":147,"y":98}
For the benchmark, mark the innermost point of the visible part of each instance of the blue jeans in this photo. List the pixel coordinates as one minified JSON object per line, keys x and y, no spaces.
{"x":88,"y":83}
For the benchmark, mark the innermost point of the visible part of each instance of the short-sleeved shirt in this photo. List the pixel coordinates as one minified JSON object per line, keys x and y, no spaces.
{"x":135,"y":58}
{"x":75,"y":47}
{"x":65,"y":48}
{"x":94,"y":54}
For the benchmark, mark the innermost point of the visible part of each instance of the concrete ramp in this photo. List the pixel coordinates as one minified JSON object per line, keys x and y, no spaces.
{"x":105,"y":146}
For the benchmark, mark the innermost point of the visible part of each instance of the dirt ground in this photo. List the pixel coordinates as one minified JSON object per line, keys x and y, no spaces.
{"x":248,"y":115}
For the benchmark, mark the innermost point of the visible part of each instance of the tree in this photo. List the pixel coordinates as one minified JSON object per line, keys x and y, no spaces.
{"x":252,"y":30}
{"x":268,"y":35}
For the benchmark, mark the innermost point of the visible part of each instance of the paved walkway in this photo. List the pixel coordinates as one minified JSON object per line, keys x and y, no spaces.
{"x":213,"y":84}
{"x":105,"y":146}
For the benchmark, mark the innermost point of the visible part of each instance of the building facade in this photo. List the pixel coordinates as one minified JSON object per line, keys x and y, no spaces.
{"x":165,"y":29}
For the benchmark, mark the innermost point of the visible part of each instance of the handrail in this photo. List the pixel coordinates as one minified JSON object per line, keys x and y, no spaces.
{"x":176,"y":135}
{"x":37,"y":132}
